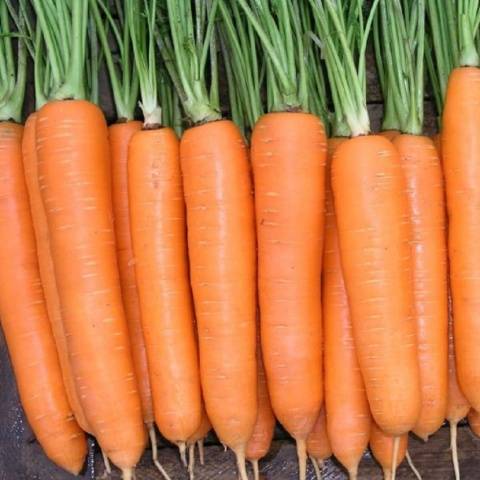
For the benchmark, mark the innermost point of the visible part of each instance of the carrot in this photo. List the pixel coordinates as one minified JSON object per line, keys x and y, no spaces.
{"x":261,"y":439}
{"x":348,"y":412}
{"x":423,"y":174}
{"x":159,"y":242}
{"x":318,"y":443}
{"x":383,"y":450}
{"x":74,"y":178}
{"x":425,"y":195}
{"x":288,"y":153}
{"x":46,"y":268}
{"x":221,"y":233}
{"x":25,"y":324}
{"x":460,"y":152}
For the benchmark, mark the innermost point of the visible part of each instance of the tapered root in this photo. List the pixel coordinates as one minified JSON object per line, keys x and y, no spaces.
{"x":256,"y":472}
{"x":302,"y":459}
{"x":241,"y":464}
{"x":396,"y":448}
{"x":127,"y":474}
{"x":353,"y":474}
{"x":387,"y":474}
{"x":453,"y":446}
{"x":201,"y":452}
{"x":182,"y":447}
{"x":191,"y":461}
{"x":153,"y":441}
{"x":106,"y":462}
{"x":161,"y":470}
{"x":317,"y":466}
{"x":412,"y":466}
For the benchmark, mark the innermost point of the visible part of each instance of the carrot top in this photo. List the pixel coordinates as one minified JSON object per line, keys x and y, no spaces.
{"x":400,"y":56}
{"x":468,"y":17}
{"x":123,"y":75}
{"x":63,"y":27}
{"x":343,"y":34}
{"x":241,"y":58}
{"x":12,"y":76}
{"x":279,"y":30}
{"x":188,"y":46}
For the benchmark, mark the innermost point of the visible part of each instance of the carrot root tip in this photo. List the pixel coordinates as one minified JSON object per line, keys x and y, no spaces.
{"x":241,"y":464}
{"x":412,"y":466}
{"x":353,"y":473}
{"x":127,"y":474}
{"x":106,"y":462}
{"x":317,"y":468}
{"x":182,"y":447}
{"x":256,"y":472}
{"x":387,"y":474}
{"x":302,"y":459}
{"x":191,"y":461}
{"x":153,"y":441}
{"x":453,"y":447}
{"x":161,"y":470}
{"x":201,"y":452}
{"x":396,"y":447}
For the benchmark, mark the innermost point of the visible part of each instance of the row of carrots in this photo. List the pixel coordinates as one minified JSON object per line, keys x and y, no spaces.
{"x":177,"y":277}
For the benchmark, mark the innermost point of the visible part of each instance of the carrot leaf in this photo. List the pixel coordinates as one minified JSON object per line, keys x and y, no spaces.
{"x":187,"y":45}
{"x":13,"y":72}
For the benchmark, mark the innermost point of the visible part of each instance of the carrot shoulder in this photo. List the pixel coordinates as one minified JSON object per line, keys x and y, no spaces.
{"x":25,"y":323}
{"x":374,"y":235}
{"x":74,"y":177}
{"x":159,"y":236}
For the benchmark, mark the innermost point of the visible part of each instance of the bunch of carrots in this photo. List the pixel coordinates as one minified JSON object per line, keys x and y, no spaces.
{"x":196,"y":270}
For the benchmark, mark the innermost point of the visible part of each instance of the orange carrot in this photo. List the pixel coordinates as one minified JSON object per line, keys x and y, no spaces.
{"x":25,"y":323}
{"x":318,"y":443}
{"x":119,"y":136}
{"x":262,"y":435}
{"x":461,"y":159}
{"x":383,"y":447}
{"x":158,"y":228}
{"x":348,"y":412}
{"x":374,"y":236}
{"x":390,"y":134}
{"x":422,"y":169}
{"x":73,"y":172}
{"x":288,"y":156}
{"x":221,"y":242}
{"x":45,"y":263}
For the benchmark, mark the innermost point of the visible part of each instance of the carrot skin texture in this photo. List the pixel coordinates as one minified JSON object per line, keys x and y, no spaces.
{"x":461,"y":160}
{"x":474,"y":422}
{"x":160,"y":244}
{"x":261,"y":439}
{"x":45,"y":264}
{"x":25,"y":324}
{"x":381,"y":446}
{"x":318,"y":443}
{"x":202,"y":431}
{"x":74,"y":177}
{"x":119,"y":136}
{"x":425,"y":191}
{"x":374,"y":234}
{"x":288,"y":154}
{"x":221,"y":243}
{"x":347,"y":409}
